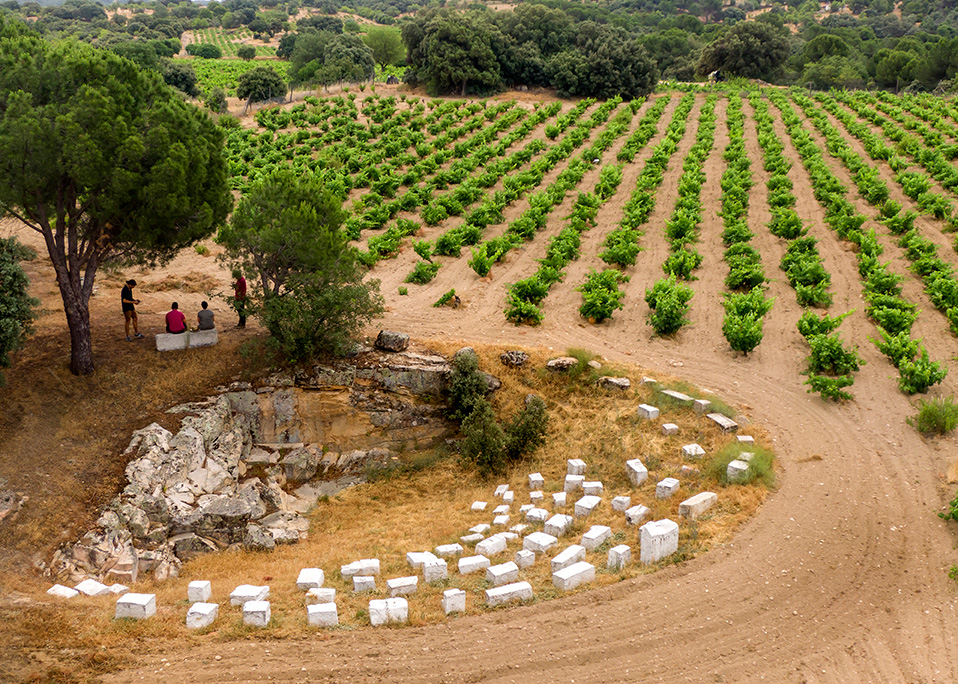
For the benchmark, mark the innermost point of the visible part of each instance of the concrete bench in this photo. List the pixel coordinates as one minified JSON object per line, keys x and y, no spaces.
{"x":186,"y":340}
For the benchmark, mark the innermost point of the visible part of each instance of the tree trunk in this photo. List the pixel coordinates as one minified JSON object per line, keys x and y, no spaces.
{"x":76,"y":306}
{"x":463,"y":88}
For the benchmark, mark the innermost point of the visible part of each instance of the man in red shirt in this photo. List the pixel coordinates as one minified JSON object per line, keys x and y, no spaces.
{"x":239,"y":297}
{"x":175,"y":320}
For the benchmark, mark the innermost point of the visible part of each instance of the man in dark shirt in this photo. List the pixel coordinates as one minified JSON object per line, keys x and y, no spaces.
{"x":175,"y":320}
{"x":129,"y":309}
{"x":205,"y":318}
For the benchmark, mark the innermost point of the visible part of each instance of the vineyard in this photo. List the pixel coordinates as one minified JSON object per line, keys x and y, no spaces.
{"x":686,"y":215}
{"x":230,"y":40}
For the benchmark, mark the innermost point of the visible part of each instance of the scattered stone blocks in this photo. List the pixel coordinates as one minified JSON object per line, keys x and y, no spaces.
{"x":471,"y":539}
{"x":90,"y":587}
{"x":497,"y":575}
{"x":536,"y":481}
{"x":366,"y":566}
{"x":658,"y":539}
{"x":637,"y":514}
{"x":586,"y":505}
{"x":636,"y":472}
{"x":539,"y":542}
{"x":696,"y":505}
{"x":570,"y":577}
{"x":666,"y":488}
{"x":572,"y":483}
{"x":256,"y":613}
{"x":559,"y":500}
{"x":678,"y":397}
{"x":669,"y":429}
{"x":322,"y":615}
{"x":508,"y":536}
{"x":615,"y":383}
{"x":568,"y":556}
{"x":536,"y":497}
{"x":724,"y":422}
{"x":384,"y":611}
{"x":401,"y":586}
{"x":136,"y":606}
{"x":478,"y":505}
{"x":62,"y":591}
{"x":435,"y":570}
{"x":525,"y":558}
{"x":417,"y":559}
{"x":537,"y":515}
{"x":500,"y":521}
{"x":500,"y":510}
{"x":509,"y":497}
{"x":558,"y":524}
{"x":701,"y":406}
{"x":482,"y":528}
{"x":500,"y":490}
{"x":200,"y":591}
{"x":453,"y":601}
{"x":596,"y":537}
{"x":693,"y":451}
{"x":621,"y":503}
{"x":491,"y":546}
{"x":593,"y":488}
{"x":518,"y":529}
{"x":745,"y":439}
{"x":737,"y":471}
{"x":248,"y":592}
{"x":363,"y":583}
{"x":201,"y":615}
{"x":320,"y":595}
{"x":648,"y":412}
{"x":525,"y":508}
{"x":473,"y":564}
{"x":518,"y":591}
{"x":619,"y":557}
{"x":447,"y":550}
{"x":575,"y":466}
{"x":310,"y":578}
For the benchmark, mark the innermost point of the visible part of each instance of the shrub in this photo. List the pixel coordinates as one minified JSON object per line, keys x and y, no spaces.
{"x":422,"y":272}
{"x":669,"y":302}
{"x":937,"y":416}
{"x":403,"y":290}
{"x":830,"y":387}
{"x":812,"y":324}
{"x":484,"y":440}
{"x":601,"y":295}
{"x":743,"y":333}
{"x":445,"y":298}
{"x":681,"y":263}
{"x":423,"y":248}
{"x":467,"y":386}
{"x":527,"y":430}
{"x":916,"y":376}
{"x":829,"y":356}
{"x":522,"y":311}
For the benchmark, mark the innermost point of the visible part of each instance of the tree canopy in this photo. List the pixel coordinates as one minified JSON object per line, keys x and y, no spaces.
{"x":260,"y":83}
{"x":103,"y":160}
{"x":749,"y":49}
{"x":16,"y":305}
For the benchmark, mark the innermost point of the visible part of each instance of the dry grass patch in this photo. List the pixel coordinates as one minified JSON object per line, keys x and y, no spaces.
{"x":194,"y":281}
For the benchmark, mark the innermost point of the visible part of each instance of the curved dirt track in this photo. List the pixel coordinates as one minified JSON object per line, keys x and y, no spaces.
{"x":840,"y":578}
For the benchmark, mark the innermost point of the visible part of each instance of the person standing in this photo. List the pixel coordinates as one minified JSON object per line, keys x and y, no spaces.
{"x":129,"y":309}
{"x":239,"y":297}
{"x":175,"y":320}
{"x":205,"y":318}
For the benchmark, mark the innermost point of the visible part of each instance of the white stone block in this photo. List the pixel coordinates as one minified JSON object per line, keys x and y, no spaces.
{"x":310,"y":578}
{"x":384,"y":611}
{"x":692,"y":452}
{"x":745,"y":439}
{"x":491,"y":546}
{"x":416,"y":559}
{"x":536,"y":497}
{"x":536,"y":481}
{"x":363,"y":583}
{"x":453,"y":601}
{"x":558,"y":524}
{"x":701,"y":406}
{"x":366,"y":566}
{"x":136,"y":606}
{"x":637,"y":514}
{"x":482,"y":528}
{"x":199,"y":591}
{"x":648,"y":412}
{"x":696,"y":505}
{"x":689,"y":471}
{"x":471,"y":539}
{"x":401,"y":586}
{"x":621,"y":503}
{"x":500,"y":490}
{"x":736,"y":471}
{"x":501,"y":510}
{"x":201,"y":615}
{"x":725,"y":423}
{"x":537,"y":515}
{"x":320,"y":595}
{"x":559,"y":500}
{"x":572,"y":483}
{"x":519,"y":529}
{"x":518,"y":591}
{"x":500,"y":521}
{"x":646,"y":380}
{"x":509,"y":497}
{"x":746,"y":456}
{"x":666,"y":488}
{"x":568,"y":556}
{"x":90,"y":587}
{"x":658,"y":539}
{"x":497,"y":575}
{"x":669,"y":429}
{"x":586,"y":505}
{"x":478,"y":505}
{"x":596,"y":537}
{"x":539,"y":542}
{"x":570,"y":577}
{"x":575,"y":466}
{"x":525,"y":558}
{"x":525,"y":508}
{"x":61,"y":591}
{"x":636,"y":471}
{"x":118,"y":589}
{"x":434,"y":571}
{"x":619,"y":557}
{"x":592,"y":488}
{"x":678,"y":397}
{"x":473,"y":564}
{"x":448,"y":550}
{"x":322,"y":615}
{"x":508,"y":536}
{"x":248,"y":592}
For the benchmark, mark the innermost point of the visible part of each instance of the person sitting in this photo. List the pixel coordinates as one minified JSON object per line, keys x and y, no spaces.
{"x":175,"y":320}
{"x":205,"y":318}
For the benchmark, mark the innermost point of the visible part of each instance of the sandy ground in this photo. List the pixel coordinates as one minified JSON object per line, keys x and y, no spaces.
{"x":841,"y":578}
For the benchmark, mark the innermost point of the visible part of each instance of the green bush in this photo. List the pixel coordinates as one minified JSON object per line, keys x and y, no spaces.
{"x":601,"y":295}
{"x":917,"y":375}
{"x":937,"y":416}
{"x":830,"y":387}
{"x":669,"y":302}
{"x":527,"y":430}
{"x":681,"y":263}
{"x":423,"y":248}
{"x":422,"y":272}
{"x":521,"y":311}
{"x":445,"y":298}
{"x":761,"y":467}
{"x":830,"y":356}
{"x":812,"y":324}
{"x":484,"y":440}
{"x":743,"y":333}
{"x":467,"y":386}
